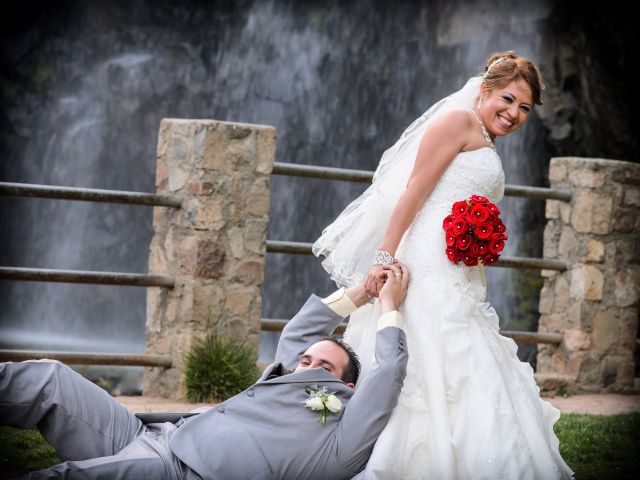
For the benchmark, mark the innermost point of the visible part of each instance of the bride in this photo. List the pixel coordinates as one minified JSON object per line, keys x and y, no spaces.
{"x":469,"y":408}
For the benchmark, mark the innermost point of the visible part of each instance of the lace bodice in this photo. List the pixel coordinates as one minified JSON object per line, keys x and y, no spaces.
{"x":476,"y":172}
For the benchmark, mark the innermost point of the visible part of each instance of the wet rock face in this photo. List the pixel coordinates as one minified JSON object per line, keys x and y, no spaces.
{"x":589,"y":54}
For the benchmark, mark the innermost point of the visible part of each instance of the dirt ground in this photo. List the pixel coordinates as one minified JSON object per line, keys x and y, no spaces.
{"x":605,"y":404}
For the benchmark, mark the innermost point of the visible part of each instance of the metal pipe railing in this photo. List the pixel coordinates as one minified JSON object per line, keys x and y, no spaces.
{"x":522,"y":337}
{"x":302,"y":248}
{"x":537,"y":193}
{"x":79,"y":276}
{"x":325,"y":173}
{"x":366,"y":176}
{"x":531,"y":263}
{"x":84,"y":358}
{"x":88,"y":194}
{"x":273,"y":246}
{"x":276,"y":325}
{"x":290,"y":169}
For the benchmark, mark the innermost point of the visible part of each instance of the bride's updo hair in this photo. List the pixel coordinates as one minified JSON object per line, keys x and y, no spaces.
{"x":502,"y":68}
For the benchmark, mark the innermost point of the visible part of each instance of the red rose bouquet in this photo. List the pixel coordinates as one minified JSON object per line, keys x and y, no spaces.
{"x":474,"y":232}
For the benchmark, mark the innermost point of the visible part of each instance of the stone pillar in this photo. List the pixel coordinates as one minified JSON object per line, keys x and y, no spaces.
{"x":594,"y":303}
{"x":213,"y":246}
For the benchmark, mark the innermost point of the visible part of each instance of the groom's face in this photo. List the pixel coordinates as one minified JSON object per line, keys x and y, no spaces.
{"x":327,"y":355}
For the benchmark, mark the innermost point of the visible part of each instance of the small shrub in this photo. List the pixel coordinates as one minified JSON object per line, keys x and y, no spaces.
{"x":218,"y":368}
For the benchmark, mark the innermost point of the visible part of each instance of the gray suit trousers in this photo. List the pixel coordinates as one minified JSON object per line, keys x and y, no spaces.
{"x":96,"y":436}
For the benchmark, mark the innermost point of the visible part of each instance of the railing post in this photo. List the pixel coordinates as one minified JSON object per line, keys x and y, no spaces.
{"x":594,"y":303}
{"x":213,"y":246}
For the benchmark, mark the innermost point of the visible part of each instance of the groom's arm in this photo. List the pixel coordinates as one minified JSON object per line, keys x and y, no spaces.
{"x":370,"y":407}
{"x":317,"y":318}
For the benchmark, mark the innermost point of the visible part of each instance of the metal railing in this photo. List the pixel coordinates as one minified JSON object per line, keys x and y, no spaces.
{"x":80,"y":276}
{"x":88,"y":195}
{"x":87,"y":277}
{"x":86,"y":358}
{"x":366,"y":176}
{"x":302,"y":248}
{"x":276,"y":325}
{"x":273,"y":246}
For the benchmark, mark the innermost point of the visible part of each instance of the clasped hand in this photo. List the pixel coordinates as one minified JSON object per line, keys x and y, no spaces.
{"x":378,"y":275}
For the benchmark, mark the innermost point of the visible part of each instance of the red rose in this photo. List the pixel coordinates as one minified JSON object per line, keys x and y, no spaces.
{"x":451,"y":239}
{"x":483,"y":230}
{"x":464,"y":242}
{"x":459,"y":227}
{"x":460,"y":208}
{"x":448,"y":221}
{"x":497,"y":243}
{"x":474,"y":232}
{"x":489,"y":259}
{"x":452,"y":254}
{"x":479,"y":199}
{"x":478,"y":214}
{"x":479,"y":249}
{"x":469,"y":260}
{"x":493,"y":209}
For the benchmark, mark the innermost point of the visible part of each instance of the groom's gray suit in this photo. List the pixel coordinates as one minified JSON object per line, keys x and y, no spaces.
{"x":264,"y":432}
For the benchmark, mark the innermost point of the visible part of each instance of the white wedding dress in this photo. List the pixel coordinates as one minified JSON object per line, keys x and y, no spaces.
{"x":469,"y":408}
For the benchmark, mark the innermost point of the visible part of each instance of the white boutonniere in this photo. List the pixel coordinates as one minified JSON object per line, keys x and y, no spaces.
{"x":323,"y":401}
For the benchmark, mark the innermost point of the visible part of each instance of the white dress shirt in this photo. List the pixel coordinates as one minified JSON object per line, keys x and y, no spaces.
{"x":340,"y":303}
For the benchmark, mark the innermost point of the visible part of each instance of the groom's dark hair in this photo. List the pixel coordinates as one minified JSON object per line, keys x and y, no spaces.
{"x":352,"y":371}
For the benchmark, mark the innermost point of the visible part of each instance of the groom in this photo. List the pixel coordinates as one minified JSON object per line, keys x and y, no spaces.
{"x":274,"y":429}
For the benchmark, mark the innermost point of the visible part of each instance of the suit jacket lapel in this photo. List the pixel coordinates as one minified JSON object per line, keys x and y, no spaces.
{"x":274,"y":368}
{"x":311,"y":375}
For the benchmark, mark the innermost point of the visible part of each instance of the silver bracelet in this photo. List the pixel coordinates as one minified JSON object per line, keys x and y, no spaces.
{"x":382,"y":258}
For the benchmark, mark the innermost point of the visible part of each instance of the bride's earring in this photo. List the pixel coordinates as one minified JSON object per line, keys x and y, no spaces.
{"x":479,"y":103}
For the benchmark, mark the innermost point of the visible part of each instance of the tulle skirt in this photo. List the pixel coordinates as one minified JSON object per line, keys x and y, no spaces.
{"x":469,"y":408}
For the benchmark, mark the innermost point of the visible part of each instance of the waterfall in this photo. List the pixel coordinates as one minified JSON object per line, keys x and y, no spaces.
{"x":340,"y":81}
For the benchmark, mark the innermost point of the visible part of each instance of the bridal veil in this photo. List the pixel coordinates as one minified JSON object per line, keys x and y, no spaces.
{"x":351,"y":240}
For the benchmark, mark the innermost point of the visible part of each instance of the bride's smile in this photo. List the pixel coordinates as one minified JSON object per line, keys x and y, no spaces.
{"x":504,"y":110}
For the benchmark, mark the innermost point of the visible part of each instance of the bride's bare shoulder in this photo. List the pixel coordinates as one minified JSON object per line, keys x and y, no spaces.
{"x":460,"y":120}
{"x":455,"y":125}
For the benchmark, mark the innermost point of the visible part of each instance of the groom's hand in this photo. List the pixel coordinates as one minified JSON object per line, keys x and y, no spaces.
{"x":394,"y":290}
{"x":360,"y":294}
{"x":374,"y":280}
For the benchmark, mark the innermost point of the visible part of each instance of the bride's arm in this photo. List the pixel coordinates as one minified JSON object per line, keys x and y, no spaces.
{"x":442,"y":141}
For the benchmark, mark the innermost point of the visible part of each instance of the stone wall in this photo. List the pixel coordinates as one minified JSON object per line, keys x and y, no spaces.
{"x":213,"y":246}
{"x":594,"y":303}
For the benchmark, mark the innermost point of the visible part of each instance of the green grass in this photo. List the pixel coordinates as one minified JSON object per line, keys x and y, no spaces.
{"x":23,"y":451}
{"x":595,"y":447}
{"x":600,"y":447}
